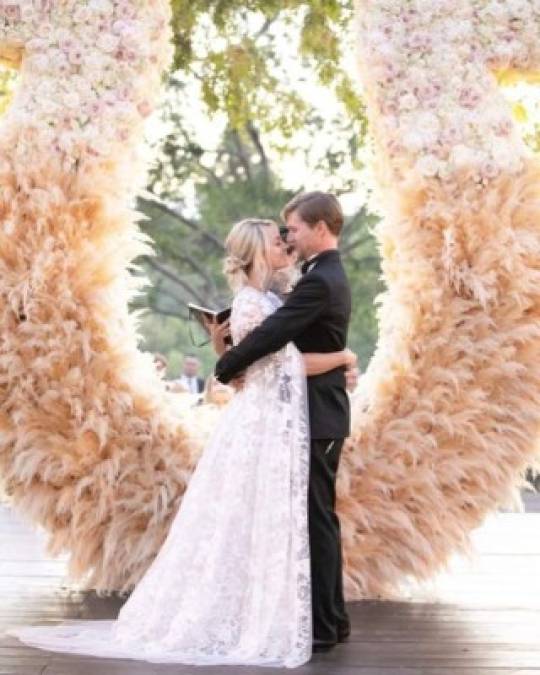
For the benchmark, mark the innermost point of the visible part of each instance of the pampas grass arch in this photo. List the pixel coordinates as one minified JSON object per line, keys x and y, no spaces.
{"x":449,"y":410}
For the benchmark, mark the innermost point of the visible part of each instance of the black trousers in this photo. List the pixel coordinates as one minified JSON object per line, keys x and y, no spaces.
{"x":329,"y":614}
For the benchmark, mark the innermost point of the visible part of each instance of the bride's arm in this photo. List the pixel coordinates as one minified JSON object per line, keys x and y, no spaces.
{"x":317,"y":363}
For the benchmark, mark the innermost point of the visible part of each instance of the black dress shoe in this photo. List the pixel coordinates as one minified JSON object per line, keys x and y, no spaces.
{"x":321,"y":646}
{"x":343,"y":633}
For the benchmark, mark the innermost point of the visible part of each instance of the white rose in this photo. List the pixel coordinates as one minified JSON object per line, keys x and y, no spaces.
{"x":109,"y":78}
{"x":408,"y":102}
{"x":71,"y":99}
{"x":458,"y":30}
{"x":45,"y":89}
{"x":36,"y":45}
{"x":386,"y":50}
{"x":28,"y":12}
{"x":428,"y":165}
{"x":133,"y":37}
{"x":82,"y":15}
{"x":127,"y":112}
{"x":44,"y":30}
{"x":504,"y":149}
{"x":49,"y":106}
{"x":107,"y":42}
{"x":40,"y":63}
{"x":81,"y":86}
{"x":427,"y":121}
{"x":496,"y":9}
{"x":413,"y":140}
{"x":94,"y":61}
{"x":462,"y":156}
{"x":58,"y":59}
{"x":100,"y":7}
{"x":426,"y":8}
{"x":425,"y":124}
{"x":519,"y":8}
{"x":62,"y":35}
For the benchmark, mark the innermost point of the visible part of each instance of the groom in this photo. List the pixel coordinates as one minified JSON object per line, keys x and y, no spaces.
{"x":315,"y":317}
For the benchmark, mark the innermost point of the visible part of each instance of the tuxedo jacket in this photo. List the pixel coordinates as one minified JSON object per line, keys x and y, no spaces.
{"x":315,"y":316}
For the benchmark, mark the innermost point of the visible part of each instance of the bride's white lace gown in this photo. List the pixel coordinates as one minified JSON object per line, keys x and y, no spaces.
{"x":231,"y":584}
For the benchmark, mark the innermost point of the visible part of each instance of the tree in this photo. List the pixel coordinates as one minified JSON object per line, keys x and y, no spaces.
{"x":241,"y":54}
{"x":239,"y":184}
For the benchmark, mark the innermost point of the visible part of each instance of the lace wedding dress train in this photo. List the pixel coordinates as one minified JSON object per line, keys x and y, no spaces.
{"x":231,"y":584}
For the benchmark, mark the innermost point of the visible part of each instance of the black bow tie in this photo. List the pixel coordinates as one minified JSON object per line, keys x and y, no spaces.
{"x":306,"y":265}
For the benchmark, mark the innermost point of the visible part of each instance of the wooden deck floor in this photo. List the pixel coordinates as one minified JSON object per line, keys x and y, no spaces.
{"x":480,"y":618}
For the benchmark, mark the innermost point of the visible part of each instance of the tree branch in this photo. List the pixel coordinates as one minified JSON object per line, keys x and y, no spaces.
{"x":266,"y":25}
{"x":175,"y":278}
{"x":256,"y":140}
{"x":192,"y":224}
{"x":241,"y":153}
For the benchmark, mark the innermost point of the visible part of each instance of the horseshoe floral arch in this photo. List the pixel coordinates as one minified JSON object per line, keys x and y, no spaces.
{"x":450,"y":409}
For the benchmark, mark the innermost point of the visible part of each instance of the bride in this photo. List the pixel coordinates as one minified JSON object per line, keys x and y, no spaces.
{"x":231,"y":584}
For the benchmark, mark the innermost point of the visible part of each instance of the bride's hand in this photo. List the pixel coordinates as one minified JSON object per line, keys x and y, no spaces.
{"x":219,"y":332}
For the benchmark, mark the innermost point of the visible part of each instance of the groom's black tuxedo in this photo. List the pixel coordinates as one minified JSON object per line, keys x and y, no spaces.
{"x":315,"y":317}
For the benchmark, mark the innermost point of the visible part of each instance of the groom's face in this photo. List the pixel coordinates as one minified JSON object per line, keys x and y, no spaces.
{"x":301,"y":235}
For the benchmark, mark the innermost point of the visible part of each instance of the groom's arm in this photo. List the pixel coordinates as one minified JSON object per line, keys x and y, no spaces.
{"x":308,"y":299}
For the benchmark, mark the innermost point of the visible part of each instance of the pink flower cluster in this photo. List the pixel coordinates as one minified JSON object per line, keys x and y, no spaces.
{"x":91,"y":71}
{"x":428,"y":68}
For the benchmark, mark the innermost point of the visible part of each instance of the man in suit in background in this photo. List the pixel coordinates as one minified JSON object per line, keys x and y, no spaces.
{"x":189,"y":379}
{"x":315,"y":316}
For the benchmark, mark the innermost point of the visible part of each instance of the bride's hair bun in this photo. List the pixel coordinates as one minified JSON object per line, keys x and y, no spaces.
{"x":233,"y":265}
{"x":246,"y":251}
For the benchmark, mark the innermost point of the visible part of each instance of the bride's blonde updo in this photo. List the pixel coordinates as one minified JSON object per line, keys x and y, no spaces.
{"x":246,"y":253}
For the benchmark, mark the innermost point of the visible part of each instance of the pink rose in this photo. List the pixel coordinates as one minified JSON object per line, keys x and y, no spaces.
{"x":12,"y":12}
{"x":75,"y":56}
{"x":67,"y":44}
{"x":144,"y":108}
{"x":469,"y":97}
{"x":503,"y":127}
{"x":489,"y":169}
{"x":95,"y":109}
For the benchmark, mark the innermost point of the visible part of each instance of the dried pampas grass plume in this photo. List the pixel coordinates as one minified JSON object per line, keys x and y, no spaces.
{"x":449,"y":411}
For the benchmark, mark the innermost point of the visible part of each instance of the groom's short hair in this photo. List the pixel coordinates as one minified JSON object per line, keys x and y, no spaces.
{"x":315,"y":206}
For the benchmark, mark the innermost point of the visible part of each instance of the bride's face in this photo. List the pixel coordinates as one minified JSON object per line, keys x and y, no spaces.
{"x":276,"y":249}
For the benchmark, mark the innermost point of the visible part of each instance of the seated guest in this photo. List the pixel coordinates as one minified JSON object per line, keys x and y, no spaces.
{"x":160,"y":362}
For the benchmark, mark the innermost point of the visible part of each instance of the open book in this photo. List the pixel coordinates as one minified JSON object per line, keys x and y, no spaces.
{"x":205,"y":315}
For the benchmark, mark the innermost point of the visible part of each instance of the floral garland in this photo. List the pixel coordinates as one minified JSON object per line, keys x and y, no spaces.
{"x":428,"y":67}
{"x":91,"y":72}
